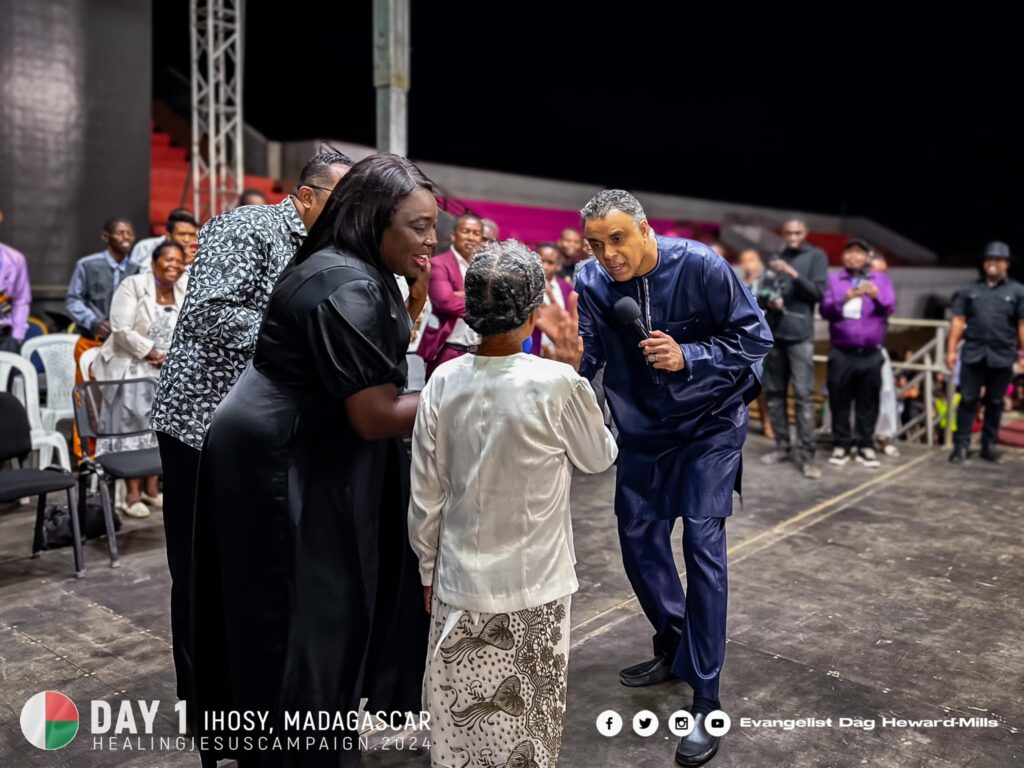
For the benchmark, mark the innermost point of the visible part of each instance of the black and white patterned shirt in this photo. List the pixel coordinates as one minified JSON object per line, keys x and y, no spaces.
{"x":241,"y":254}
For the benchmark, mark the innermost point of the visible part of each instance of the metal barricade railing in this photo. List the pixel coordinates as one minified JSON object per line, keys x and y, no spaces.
{"x":926,"y":361}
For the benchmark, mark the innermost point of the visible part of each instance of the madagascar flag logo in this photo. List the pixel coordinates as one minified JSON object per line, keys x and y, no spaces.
{"x":49,"y":720}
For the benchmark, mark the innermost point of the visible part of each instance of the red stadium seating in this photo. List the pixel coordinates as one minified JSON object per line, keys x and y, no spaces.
{"x":169,"y":185}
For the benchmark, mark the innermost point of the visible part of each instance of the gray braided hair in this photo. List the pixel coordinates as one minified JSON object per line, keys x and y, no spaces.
{"x":504,"y":284}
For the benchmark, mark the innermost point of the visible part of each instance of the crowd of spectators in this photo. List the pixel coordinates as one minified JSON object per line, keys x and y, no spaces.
{"x":126,"y":298}
{"x":273,"y":332}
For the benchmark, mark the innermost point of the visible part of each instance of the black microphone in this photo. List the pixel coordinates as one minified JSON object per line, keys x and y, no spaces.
{"x":628,"y":313}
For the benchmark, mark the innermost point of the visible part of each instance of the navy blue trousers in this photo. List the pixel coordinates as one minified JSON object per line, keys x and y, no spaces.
{"x":689,"y":627}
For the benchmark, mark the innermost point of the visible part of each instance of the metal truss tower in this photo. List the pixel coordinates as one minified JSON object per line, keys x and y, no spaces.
{"x":216,"y":34}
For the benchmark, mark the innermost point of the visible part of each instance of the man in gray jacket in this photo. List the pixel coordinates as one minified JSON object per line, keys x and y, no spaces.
{"x":96,"y":277}
{"x":801,"y":273}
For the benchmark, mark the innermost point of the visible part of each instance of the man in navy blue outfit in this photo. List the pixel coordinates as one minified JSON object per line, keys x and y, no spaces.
{"x":680,"y":401}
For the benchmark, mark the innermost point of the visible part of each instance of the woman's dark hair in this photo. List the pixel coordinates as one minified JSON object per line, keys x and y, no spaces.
{"x":163,"y":245}
{"x":361,"y":206}
{"x":504,"y":284}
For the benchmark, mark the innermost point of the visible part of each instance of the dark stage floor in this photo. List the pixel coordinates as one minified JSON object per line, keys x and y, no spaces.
{"x":893,"y":593}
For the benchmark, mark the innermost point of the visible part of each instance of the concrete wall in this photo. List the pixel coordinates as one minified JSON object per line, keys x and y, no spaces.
{"x":476,"y":184}
{"x":915,"y":286}
{"x":473,"y":183}
{"x":74,"y":126}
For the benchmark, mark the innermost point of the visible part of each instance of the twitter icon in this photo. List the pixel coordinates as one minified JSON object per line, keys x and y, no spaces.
{"x":645,"y":723}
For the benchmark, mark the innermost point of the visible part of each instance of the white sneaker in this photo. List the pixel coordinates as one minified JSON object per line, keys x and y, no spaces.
{"x":839,"y":457}
{"x":811,"y":471}
{"x":891,"y":451}
{"x":157,"y":502}
{"x":137,"y":509}
{"x":868,"y":458}
{"x":776,"y":456}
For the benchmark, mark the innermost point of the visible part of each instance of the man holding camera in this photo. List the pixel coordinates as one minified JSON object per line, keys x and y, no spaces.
{"x":801,"y":273}
{"x":856,"y":304}
{"x":760,"y":281}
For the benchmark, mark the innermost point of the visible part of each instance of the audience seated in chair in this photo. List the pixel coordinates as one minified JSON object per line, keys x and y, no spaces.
{"x":143,"y":313}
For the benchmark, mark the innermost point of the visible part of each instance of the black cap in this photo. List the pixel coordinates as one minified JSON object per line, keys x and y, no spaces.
{"x":997,"y":250}
{"x":856,"y":242}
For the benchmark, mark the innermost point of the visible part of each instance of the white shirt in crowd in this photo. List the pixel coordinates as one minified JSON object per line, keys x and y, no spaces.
{"x":462,"y":333}
{"x":556,"y":291}
{"x":420,"y":322}
{"x":493,"y":445}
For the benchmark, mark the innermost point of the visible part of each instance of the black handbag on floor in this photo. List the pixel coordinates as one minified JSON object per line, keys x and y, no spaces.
{"x":57,"y":524}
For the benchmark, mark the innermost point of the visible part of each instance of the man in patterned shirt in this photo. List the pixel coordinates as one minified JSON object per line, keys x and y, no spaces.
{"x":241,"y":254}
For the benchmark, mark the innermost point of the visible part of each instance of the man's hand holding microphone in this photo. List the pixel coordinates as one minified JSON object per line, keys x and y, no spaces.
{"x":661,"y":351}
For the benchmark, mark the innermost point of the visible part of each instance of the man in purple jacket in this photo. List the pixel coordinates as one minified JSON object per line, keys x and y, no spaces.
{"x":856,"y":304}
{"x":15,"y":297}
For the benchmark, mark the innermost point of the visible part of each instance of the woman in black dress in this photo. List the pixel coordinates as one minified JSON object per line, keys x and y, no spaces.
{"x":307,"y":593}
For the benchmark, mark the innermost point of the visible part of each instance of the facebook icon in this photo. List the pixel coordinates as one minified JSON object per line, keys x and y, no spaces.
{"x":609,"y":723}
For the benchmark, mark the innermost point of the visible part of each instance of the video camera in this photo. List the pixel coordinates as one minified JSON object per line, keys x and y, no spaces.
{"x":768,"y":289}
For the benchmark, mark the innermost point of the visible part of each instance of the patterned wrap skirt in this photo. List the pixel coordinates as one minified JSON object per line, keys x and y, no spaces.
{"x":495,"y":686}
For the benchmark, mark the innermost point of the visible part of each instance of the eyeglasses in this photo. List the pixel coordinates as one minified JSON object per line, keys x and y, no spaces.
{"x":328,"y":190}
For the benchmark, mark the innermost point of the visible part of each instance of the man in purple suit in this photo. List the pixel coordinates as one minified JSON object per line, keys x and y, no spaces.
{"x":557,"y":289}
{"x":447,"y":336}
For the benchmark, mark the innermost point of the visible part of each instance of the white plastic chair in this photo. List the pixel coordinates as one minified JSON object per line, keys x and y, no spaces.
{"x":57,"y":351}
{"x":120,"y":490}
{"x":85,"y":362}
{"x":43,"y":440}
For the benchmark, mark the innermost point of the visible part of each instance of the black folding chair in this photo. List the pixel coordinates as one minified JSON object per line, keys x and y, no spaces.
{"x":16,"y":443}
{"x":106,"y":410}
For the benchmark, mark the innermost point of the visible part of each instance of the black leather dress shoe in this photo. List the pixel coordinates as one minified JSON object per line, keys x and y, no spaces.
{"x":958,"y":456}
{"x":991,"y":453}
{"x":657,"y":670}
{"x":699,"y":747}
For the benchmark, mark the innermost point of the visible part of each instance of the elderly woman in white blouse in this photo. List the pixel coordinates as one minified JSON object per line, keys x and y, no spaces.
{"x":497,"y":434}
{"x":143,"y":313}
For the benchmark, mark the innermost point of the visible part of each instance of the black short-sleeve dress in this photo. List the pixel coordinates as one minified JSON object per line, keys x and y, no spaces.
{"x":307,"y":592}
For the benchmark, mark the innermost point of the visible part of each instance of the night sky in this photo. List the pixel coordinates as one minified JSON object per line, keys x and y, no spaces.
{"x":917,"y":128}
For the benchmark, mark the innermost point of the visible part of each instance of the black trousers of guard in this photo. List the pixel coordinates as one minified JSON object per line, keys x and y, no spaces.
{"x":974,"y":376}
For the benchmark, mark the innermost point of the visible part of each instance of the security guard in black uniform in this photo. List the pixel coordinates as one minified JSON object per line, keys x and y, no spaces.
{"x":989,"y":316}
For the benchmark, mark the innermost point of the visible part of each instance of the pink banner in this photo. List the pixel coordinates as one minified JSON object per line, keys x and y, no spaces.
{"x":535,"y":225}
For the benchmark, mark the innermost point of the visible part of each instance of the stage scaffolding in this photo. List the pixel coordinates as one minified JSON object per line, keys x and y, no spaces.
{"x":216,"y":28}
